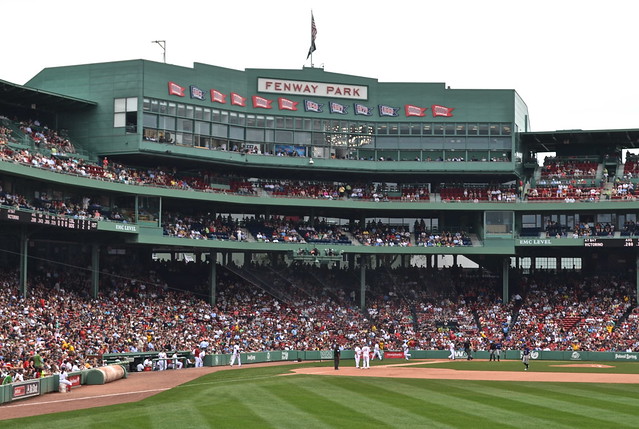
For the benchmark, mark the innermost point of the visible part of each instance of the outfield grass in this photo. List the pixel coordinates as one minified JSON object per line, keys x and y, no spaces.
{"x":260,"y":398}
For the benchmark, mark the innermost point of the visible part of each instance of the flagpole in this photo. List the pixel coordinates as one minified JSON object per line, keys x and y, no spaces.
{"x":312,"y":39}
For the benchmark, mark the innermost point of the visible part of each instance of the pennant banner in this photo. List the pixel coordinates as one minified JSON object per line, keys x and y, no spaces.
{"x":197,"y":93}
{"x":312,"y":106}
{"x":442,"y":111}
{"x":238,"y":100}
{"x":341,"y":109}
{"x":217,"y":96}
{"x":261,"y":102}
{"x":286,"y":104}
{"x":175,"y":89}
{"x":388,"y":110}
{"x":360,"y":109}
{"x":414,"y":110}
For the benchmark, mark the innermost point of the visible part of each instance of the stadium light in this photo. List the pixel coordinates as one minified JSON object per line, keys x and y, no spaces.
{"x":162,"y":44}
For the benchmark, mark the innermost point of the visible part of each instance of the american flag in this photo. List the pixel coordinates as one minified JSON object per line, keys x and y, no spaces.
{"x":313,"y":36}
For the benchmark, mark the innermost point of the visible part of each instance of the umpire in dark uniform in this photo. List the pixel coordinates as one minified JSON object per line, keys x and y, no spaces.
{"x":468,"y":350}
{"x":336,"y":353}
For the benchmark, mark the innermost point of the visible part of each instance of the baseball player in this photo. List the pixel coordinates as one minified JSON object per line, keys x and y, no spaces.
{"x":177,"y":363}
{"x":358,"y":355}
{"x":366,"y":354}
{"x":406,"y":353}
{"x":236,"y":355}
{"x":377,"y":352}
{"x":198,"y":355}
{"x":525,"y":356}
{"x":64,"y":380}
{"x":451,"y":348}
{"x":493,"y":351}
{"x":162,"y":361}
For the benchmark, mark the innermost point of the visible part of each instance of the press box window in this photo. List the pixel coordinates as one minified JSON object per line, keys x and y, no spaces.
{"x":125,"y":114}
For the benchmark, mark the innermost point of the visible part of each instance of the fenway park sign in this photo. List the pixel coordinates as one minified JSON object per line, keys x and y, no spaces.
{"x":315,"y":89}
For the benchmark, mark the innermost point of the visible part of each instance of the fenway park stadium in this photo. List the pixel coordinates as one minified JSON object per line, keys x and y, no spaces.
{"x":146,"y":207}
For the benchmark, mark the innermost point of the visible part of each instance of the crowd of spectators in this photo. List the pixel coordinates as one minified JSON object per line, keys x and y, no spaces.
{"x":306,"y":309}
{"x":374,"y":233}
{"x":581,"y":229}
{"x":201,"y":227}
{"x":572,"y":313}
{"x":47,"y":138}
{"x":477,"y":193}
{"x":76,"y":207}
{"x":568,"y":193}
{"x":6,"y":135}
{"x":206,"y":181}
{"x":561,"y":168}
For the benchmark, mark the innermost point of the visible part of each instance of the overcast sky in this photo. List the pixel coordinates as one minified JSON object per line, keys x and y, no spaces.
{"x":574,"y":63}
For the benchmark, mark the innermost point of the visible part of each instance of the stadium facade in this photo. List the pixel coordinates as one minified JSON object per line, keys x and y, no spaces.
{"x":423,"y":155}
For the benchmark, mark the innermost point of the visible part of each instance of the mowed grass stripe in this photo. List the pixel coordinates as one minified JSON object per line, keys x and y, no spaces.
{"x":383,"y":398}
{"x":472,"y":400}
{"x":197,"y":414}
{"x":362,"y":410}
{"x":631,"y":390}
{"x":113,"y":416}
{"x":609,"y":395}
{"x":281,"y":412}
{"x":235,"y":412}
{"x":583,"y":399}
{"x":544,"y":405}
{"x":327,"y":407}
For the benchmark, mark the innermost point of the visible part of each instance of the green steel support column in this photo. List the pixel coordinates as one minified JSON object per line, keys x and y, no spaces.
{"x":95,"y":270}
{"x":160,"y":213}
{"x":137,"y":212}
{"x":213,"y":278}
{"x":24,"y":249}
{"x":362,"y":283}
{"x":504,"y":279}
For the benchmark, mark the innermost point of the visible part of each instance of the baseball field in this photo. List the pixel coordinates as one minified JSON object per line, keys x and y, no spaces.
{"x":393,"y":394}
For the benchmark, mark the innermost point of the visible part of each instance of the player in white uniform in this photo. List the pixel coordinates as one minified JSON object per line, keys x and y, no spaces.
{"x":377,"y":352}
{"x":366,"y":355}
{"x":177,"y":363}
{"x":236,"y":355}
{"x":64,"y":380}
{"x":358,"y":356}
{"x":451,"y":348}
{"x":406,"y":354}
{"x":161,"y":361}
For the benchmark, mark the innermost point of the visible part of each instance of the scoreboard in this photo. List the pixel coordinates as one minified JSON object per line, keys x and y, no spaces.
{"x":611,"y":242}
{"x":47,"y":219}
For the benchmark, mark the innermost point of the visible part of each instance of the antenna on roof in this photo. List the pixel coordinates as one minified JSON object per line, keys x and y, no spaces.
{"x":162,"y":44}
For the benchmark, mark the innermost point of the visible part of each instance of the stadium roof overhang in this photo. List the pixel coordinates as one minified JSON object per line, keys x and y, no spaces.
{"x":18,"y":95}
{"x":550,"y":141}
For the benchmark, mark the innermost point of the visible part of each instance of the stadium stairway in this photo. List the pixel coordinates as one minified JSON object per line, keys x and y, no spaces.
{"x":255,"y":280}
{"x":569,"y":322}
{"x":351,"y":238}
{"x":474,"y":240}
{"x":624,"y":316}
